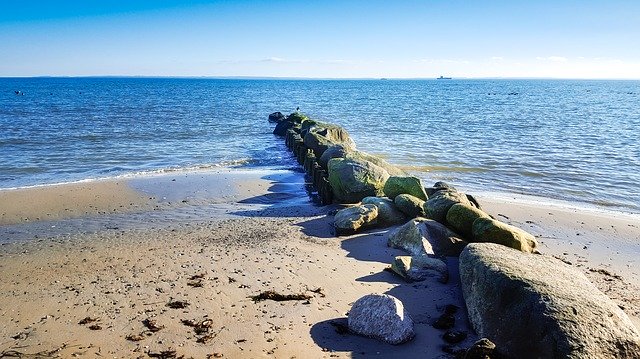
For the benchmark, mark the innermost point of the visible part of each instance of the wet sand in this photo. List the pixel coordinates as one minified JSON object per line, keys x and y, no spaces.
{"x":210,"y":241}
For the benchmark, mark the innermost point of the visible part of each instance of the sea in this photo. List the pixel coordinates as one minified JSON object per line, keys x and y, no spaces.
{"x":573,"y":141}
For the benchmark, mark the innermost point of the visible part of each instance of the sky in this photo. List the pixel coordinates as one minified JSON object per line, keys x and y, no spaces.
{"x":321,"y":39}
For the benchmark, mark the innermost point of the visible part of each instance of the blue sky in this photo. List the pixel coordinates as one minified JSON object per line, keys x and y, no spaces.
{"x":333,"y":38}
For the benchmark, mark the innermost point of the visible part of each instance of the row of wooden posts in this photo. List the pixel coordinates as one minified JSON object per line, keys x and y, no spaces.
{"x":309,"y":162}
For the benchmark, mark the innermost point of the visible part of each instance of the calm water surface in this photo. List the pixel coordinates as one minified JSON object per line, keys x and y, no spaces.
{"x":557,"y":139}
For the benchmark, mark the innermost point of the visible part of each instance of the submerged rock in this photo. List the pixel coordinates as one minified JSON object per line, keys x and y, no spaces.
{"x":387,"y":212}
{"x":353,"y":180}
{"x":397,"y":185}
{"x":535,"y":306}
{"x":350,"y":220}
{"x":419,"y":268}
{"x":440,"y":202}
{"x":282,"y":128}
{"x":276,"y":117}
{"x":383,"y":317}
{"x":461,"y":217}
{"x":410,"y":205}
{"x":491,"y":230}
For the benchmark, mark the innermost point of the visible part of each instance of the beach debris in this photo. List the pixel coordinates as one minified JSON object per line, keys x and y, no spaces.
{"x":165,"y":354}
{"x":573,"y":311}
{"x":87,"y":320}
{"x":454,"y":336}
{"x":95,"y":327}
{"x":445,"y":321}
{"x":178,"y":304}
{"x":271,"y":295}
{"x":419,"y":268}
{"x":135,"y":337}
{"x":381,"y":316}
{"x":152,"y":325}
{"x":318,"y":291}
{"x":45,"y":354}
{"x":351,"y":220}
{"x":215,"y":355}
{"x":202,"y":328}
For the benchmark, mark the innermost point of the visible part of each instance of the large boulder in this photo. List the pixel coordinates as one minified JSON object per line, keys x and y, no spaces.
{"x":440,"y":202}
{"x":363,"y":156}
{"x":490,"y":230}
{"x":320,"y":136}
{"x":397,"y":185}
{"x":461,"y":217}
{"x":276,"y":117}
{"x":410,"y":205}
{"x":534,"y":306}
{"x":422,"y":236}
{"x":387,"y":212}
{"x":419,"y":268}
{"x":383,"y":317}
{"x":352,"y":180}
{"x":333,"y":151}
{"x":297,"y":117}
{"x":350,"y":220}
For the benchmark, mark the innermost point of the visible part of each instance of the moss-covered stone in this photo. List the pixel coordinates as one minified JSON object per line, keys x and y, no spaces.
{"x":391,"y":169}
{"x":353,"y":180}
{"x":397,"y":185}
{"x":460,"y":218}
{"x":410,"y":205}
{"x":297,"y":117}
{"x":491,"y":230}
{"x":437,"y":206}
{"x":334,"y":151}
{"x":388,"y":214}
{"x":350,"y":220}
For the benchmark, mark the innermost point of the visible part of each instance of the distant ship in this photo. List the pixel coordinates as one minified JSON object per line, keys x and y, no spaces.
{"x":443,"y":78}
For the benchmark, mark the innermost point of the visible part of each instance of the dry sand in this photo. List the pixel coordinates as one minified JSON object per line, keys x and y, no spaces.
{"x":213,"y":240}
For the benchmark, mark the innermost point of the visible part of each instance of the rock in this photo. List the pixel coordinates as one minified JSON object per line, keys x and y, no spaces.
{"x":410,"y":205}
{"x":424,"y":236}
{"x":535,"y":306}
{"x":333,"y":151}
{"x":439,"y":186}
{"x":297,"y":117}
{"x":320,"y":137}
{"x":445,"y":321}
{"x":350,"y":220}
{"x":419,"y":268}
{"x":483,"y":349}
{"x":383,"y":317}
{"x":387,"y":212}
{"x":363,"y":156}
{"x":491,"y":230}
{"x":353,"y":180}
{"x":282,"y":127}
{"x":440,"y":202}
{"x":276,"y":117}
{"x":460,"y":218}
{"x":474,"y":202}
{"x":454,"y":336}
{"x":397,"y":185}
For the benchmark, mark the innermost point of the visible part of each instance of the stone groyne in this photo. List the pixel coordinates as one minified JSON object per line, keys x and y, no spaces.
{"x":529,"y":304}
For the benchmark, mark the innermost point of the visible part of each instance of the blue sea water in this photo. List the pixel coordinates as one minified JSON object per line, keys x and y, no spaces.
{"x":571,"y":140}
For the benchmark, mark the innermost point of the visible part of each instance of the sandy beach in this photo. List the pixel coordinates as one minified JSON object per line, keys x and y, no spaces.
{"x":167,"y":265}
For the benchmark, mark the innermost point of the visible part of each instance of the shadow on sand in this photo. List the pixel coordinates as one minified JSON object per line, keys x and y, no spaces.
{"x":424,"y":301}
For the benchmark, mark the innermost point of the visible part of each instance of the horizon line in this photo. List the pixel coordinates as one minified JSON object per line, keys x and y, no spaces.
{"x":320,"y":78}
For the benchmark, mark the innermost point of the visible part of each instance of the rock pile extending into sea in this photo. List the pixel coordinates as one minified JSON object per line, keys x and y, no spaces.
{"x":524,"y":304}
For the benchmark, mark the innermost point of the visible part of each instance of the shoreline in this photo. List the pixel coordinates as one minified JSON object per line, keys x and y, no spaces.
{"x":247,"y":231}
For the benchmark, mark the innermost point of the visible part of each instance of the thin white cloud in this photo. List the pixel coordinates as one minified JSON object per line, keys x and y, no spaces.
{"x":443,"y":61}
{"x":553,"y":58}
{"x":497,"y":58}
